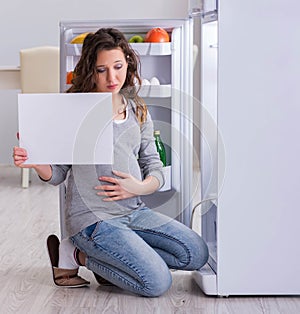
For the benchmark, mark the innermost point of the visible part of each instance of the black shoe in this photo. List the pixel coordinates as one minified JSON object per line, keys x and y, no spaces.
{"x":101,"y":281}
{"x":62,"y":277}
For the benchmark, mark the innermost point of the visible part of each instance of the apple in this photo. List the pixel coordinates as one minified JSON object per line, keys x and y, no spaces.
{"x":136,"y":39}
{"x":157,"y":35}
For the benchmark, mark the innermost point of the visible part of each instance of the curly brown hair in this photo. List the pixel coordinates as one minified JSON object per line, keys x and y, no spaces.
{"x":85,"y":74}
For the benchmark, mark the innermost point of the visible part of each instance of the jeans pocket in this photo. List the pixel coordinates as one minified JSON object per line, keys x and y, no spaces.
{"x":91,"y":230}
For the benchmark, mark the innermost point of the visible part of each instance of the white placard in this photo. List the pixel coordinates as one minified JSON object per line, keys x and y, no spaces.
{"x":74,"y":128}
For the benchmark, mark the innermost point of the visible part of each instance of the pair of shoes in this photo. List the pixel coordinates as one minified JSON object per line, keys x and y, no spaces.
{"x":62,"y":277}
{"x":101,"y":281}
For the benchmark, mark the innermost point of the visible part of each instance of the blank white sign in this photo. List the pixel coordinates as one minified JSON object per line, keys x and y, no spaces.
{"x":73,"y":128}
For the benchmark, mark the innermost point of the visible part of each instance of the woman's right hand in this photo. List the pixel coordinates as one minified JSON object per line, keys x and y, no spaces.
{"x":20,"y":156}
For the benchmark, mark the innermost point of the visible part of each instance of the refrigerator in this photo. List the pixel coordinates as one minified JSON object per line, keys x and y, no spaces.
{"x":249,"y":149}
{"x":227,"y":108}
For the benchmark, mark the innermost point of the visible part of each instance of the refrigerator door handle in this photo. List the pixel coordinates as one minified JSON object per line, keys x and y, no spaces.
{"x":196,"y":8}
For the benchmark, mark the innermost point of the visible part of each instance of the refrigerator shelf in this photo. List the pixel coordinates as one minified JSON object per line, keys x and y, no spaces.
{"x":157,"y":91}
{"x":152,"y":49}
{"x":168,"y":183}
{"x":142,"y":49}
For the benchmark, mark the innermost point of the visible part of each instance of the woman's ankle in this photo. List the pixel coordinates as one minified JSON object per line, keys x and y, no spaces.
{"x":79,"y":257}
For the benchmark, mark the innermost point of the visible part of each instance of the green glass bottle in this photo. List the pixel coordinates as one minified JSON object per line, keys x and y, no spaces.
{"x":160,"y":147}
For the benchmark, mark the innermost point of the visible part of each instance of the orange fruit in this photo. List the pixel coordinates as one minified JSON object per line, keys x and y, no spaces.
{"x":157,"y":35}
{"x":69,"y":77}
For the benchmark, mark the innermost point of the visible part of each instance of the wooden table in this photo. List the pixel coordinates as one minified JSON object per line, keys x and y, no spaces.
{"x":10,"y":86}
{"x":10,"y":77}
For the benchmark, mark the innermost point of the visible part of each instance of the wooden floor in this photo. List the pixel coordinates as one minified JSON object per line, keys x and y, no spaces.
{"x":27,"y":216}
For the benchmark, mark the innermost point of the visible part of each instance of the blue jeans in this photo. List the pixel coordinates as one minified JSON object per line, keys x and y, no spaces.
{"x":135,"y":251}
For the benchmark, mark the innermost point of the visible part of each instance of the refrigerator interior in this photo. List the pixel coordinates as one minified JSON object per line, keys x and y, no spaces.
{"x":169,"y":103}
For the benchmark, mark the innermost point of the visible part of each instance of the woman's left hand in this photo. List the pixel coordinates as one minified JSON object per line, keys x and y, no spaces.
{"x":121,"y":188}
{"x":125,"y":186}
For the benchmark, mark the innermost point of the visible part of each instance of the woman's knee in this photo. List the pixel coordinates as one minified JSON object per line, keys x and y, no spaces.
{"x":198,"y":251}
{"x":157,"y":283}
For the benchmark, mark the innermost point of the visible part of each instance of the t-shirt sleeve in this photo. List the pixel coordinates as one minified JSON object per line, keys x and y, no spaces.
{"x":59,"y":174}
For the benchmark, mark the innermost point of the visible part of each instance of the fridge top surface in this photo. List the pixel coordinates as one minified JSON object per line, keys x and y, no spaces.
{"x":130,"y":23}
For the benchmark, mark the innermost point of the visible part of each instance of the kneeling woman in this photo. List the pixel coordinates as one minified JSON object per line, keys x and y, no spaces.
{"x":115,"y":235}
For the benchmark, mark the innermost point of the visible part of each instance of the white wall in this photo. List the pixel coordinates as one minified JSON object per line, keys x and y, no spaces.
{"x":25,"y":24}
{"x":30,"y":23}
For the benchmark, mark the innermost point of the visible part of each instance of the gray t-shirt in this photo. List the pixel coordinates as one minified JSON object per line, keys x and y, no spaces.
{"x":134,"y":152}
